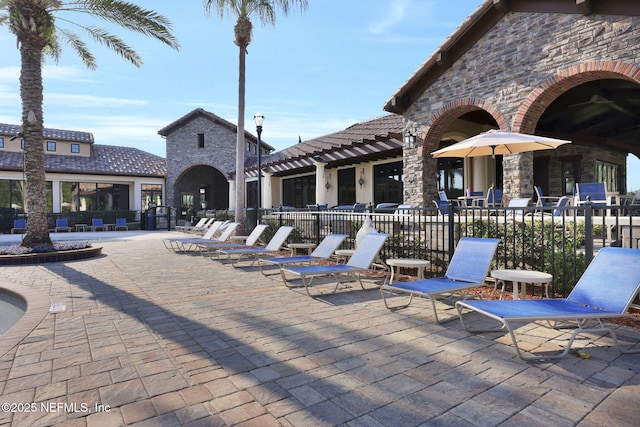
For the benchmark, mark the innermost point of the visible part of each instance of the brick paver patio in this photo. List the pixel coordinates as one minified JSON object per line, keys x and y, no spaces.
{"x":154,"y":338}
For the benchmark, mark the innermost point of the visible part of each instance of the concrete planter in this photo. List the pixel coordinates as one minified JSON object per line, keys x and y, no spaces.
{"x":40,"y":258}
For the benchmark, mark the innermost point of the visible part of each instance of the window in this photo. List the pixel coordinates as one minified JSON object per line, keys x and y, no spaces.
{"x":388,"y":183}
{"x":347,"y":186}
{"x":1,"y":142}
{"x":51,"y":146}
{"x":201,"y":140}
{"x":609,"y":173}
{"x":451,"y":176}
{"x":298,"y":192}
{"x":75,"y":148}
{"x":88,"y":196}
{"x":22,"y":144}
{"x":151,"y":195}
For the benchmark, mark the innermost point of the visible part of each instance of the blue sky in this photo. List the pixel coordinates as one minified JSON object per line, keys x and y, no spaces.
{"x":314,"y":73}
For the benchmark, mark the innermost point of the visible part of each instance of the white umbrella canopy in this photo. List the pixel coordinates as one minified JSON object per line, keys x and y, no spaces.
{"x":498,"y":142}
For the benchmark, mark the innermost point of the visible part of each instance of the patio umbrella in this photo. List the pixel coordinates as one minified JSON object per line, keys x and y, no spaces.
{"x":498,"y":142}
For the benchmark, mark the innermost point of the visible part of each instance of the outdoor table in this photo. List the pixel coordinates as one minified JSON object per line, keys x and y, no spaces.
{"x":524,"y":277}
{"x":469,"y":201}
{"x":344,"y":254}
{"x":81,"y":227}
{"x":308,"y":246}
{"x":419,"y":264}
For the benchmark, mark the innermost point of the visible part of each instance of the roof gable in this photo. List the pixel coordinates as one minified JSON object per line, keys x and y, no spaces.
{"x":199,"y":112}
{"x":481,"y":21}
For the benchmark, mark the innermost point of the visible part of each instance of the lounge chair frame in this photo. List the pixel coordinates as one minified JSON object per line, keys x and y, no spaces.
{"x":209,"y":248}
{"x":322,"y":252}
{"x":186,"y":244}
{"x":606,"y":290}
{"x":468,"y":269}
{"x":360,"y":261}
{"x":238,"y":254}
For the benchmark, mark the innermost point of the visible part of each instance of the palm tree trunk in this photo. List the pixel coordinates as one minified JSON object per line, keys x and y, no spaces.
{"x":240,"y":143}
{"x":31,"y":92}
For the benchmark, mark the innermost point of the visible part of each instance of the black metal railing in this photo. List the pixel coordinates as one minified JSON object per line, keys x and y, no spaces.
{"x":560,"y":241}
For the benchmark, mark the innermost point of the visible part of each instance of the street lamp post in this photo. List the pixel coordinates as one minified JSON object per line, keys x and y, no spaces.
{"x":259,"y":119}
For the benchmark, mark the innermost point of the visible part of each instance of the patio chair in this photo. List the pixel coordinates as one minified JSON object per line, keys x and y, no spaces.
{"x":19,"y":226}
{"x":97,"y":224}
{"x":121,"y":224}
{"x":62,"y":225}
{"x":321,"y":253}
{"x":208,"y":248}
{"x":176,"y":244}
{"x":361,"y":260}
{"x":494,"y":197}
{"x":444,"y":208}
{"x":595,"y":192}
{"x":605,"y":290}
{"x":558,"y":208}
{"x":544,"y":200}
{"x":272,"y":248}
{"x":468,"y":269}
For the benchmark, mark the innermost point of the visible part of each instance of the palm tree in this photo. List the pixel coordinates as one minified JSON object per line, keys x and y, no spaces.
{"x":35,"y":25}
{"x":243,"y":10}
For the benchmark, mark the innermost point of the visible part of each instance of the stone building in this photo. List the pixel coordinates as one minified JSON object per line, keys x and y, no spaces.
{"x":201,"y":170}
{"x":565,"y":68}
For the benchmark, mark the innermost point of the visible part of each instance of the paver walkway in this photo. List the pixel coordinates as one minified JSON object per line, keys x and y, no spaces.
{"x":154,"y":338}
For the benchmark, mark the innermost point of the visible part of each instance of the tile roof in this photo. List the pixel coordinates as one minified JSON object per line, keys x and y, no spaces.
{"x":378,"y":137}
{"x":57,"y":134}
{"x":104,"y":160}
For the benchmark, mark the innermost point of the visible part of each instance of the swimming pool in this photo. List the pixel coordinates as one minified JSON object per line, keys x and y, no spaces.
{"x":12,"y":308}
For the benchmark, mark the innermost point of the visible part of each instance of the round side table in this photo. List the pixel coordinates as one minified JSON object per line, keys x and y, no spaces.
{"x":524,"y":277}
{"x":294,"y":246}
{"x":419,"y":264}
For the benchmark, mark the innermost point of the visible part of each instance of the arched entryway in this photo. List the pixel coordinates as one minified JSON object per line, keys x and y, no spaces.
{"x":199,"y":188}
{"x":454,"y":123}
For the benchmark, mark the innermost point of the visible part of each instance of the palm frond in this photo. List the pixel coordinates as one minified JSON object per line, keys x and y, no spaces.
{"x":116,"y":44}
{"x":129,"y":16}
{"x":80,"y":48}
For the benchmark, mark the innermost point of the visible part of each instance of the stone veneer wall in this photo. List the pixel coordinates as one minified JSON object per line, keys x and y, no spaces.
{"x":523,"y":52}
{"x":183,"y":152}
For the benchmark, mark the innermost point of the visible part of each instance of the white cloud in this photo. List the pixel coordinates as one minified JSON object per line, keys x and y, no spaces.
{"x":84,"y":101}
{"x":391,"y":18}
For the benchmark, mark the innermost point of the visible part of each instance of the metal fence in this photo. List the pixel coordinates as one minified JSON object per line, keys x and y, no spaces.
{"x":560,"y":241}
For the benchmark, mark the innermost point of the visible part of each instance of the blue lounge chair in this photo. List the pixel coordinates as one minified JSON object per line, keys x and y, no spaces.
{"x":62,"y":225}
{"x":19,"y":226}
{"x":121,"y":224}
{"x":605,"y":290}
{"x":272,"y":248}
{"x":321,"y":253}
{"x":360,"y":261}
{"x":468,"y":269}
{"x":97,"y":224}
{"x":208,"y":248}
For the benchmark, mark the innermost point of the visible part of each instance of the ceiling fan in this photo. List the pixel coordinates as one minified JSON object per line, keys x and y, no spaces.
{"x":595,"y":99}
